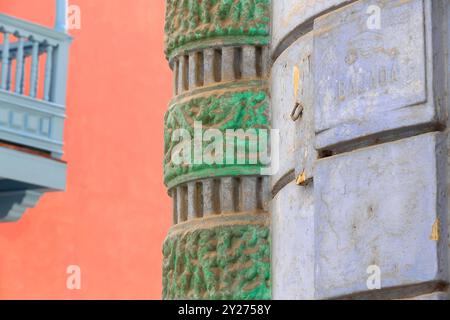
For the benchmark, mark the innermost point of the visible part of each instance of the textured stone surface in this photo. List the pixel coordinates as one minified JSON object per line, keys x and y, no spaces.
{"x":210,"y":196}
{"x":220,"y":195}
{"x":293,"y":243}
{"x":292,"y":84}
{"x":370,"y":81}
{"x":228,"y":59}
{"x":248,"y":62}
{"x":292,"y":208}
{"x":306,"y":156}
{"x":222,"y":262}
{"x":248,"y":196}
{"x":233,"y":110}
{"x":385,"y":205}
{"x":227,"y":194}
{"x":287,"y":15}
{"x":208,"y":56}
{"x":219,"y":246}
{"x":190,"y":21}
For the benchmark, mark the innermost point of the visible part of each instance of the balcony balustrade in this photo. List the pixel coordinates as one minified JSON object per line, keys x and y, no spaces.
{"x":33,"y":85}
{"x":33,"y":80}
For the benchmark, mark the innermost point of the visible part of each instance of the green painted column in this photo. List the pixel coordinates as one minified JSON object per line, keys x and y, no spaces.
{"x":216,"y":130}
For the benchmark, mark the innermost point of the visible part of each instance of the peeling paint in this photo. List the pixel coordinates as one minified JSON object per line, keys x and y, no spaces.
{"x":435,"y":230}
{"x":301,"y":180}
{"x":296,"y":79}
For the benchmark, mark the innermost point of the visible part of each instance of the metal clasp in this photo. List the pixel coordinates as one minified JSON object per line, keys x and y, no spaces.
{"x":297,"y":112}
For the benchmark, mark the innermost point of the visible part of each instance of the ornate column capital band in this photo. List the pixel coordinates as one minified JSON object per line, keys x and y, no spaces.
{"x":194,"y":25}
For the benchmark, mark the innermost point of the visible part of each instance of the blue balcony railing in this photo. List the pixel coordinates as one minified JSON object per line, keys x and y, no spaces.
{"x":33,"y":84}
{"x":33,"y":80}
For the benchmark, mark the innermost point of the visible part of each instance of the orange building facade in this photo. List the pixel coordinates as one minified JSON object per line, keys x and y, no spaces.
{"x":111,"y":221}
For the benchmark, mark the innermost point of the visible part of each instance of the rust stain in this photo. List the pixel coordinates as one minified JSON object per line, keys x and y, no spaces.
{"x":301,"y":180}
{"x":296,"y":79}
{"x":435,"y":230}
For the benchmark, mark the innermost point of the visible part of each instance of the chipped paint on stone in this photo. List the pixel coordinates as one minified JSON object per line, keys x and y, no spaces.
{"x":435,"y":230}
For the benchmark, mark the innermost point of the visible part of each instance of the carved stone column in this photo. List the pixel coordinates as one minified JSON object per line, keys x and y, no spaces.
{"x":219,"y":245}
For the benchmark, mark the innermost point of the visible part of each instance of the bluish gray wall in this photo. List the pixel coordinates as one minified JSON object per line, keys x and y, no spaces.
{"x":363,"y":180}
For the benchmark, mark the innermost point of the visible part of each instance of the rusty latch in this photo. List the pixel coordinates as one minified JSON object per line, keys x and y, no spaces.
{"x":302,"y":180}
{"x":297,"y":112}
